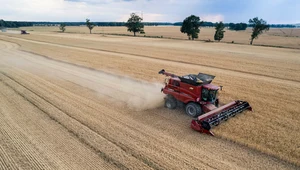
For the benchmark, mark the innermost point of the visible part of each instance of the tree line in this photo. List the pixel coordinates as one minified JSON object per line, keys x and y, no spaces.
{"x":190,"y":26}
{"x":15,"y":24}
{"x":238,"y":26}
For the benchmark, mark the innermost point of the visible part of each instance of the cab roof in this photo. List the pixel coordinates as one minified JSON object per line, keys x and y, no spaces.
{"x":211,"y":87}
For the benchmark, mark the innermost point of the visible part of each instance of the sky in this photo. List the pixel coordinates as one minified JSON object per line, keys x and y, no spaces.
{"x":273,"y":11}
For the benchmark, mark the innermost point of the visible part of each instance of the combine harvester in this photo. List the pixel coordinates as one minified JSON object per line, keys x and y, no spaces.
{"x":200,"y":99}
{"x":24,"y":32}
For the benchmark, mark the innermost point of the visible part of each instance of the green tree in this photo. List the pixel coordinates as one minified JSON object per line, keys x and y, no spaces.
{"x":219,"y":31}
{"x":238,"y":26}
{"x":190,"y":26}
{"x":62,"y":27}
{"x":2,"y":23}
{"x":259,"y":25}
{"x":134,"y":24}
{"x":90,"y":25}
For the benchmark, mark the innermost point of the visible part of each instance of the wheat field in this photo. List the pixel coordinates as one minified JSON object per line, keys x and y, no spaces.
{"x":79,"y":101}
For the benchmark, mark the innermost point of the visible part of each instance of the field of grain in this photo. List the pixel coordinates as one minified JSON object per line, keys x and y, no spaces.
{"x":280,"y":37}
{"x":74,"y":101}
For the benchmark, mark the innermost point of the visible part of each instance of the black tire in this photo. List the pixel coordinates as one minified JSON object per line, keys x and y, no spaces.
{"x":170,"y":102}
{"x":193,"y":109}
{"x":180,"y":104}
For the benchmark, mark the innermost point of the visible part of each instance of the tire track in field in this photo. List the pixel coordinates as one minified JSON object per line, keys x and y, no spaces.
{"x":168,"y":61}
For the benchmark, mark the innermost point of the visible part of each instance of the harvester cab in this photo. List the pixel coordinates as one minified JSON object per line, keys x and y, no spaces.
{"x":200,"y":99}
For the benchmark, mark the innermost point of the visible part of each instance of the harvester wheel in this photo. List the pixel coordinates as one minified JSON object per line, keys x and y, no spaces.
{"x":170,"y":102}
{"x":193,"y":109}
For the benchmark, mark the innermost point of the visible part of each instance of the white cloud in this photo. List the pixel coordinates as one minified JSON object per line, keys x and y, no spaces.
{"x":147,"y":17}
{"x":153,"y":17}
{"x":212,"y":18}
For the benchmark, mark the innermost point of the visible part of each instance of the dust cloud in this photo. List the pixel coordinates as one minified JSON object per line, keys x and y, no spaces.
{"x":11,"y":31}
{"x":138,"y":95}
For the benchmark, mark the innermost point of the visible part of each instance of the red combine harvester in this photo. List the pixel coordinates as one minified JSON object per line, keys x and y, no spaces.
{"x":200,"y":99}
{"x":24,"y":32}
